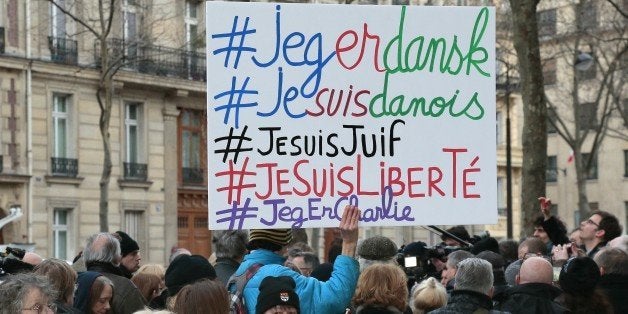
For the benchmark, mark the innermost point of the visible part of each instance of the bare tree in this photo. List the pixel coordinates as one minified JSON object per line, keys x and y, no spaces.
{"x":534,"y":135}
{"x":99,"y":19}
{"x":583,"y":108}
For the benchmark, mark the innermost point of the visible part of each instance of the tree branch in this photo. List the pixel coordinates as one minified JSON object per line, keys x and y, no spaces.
{"x":72,"y":16}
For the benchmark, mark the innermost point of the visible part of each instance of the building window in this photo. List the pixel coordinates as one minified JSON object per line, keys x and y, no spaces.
{"x":552,"y":169}
{"x":588,"y":16}
{"x":192,"y":145}
{"x":625,"y":163}
{"x":551,"y":118}
{"x":501,"y":196}
{"x":60,"y":124}
{"x":546,"y":22}
{"x":134,"y":168}
{"x":57,"y":20}
{"x":498,"y":127}
{"x":129,"y":9}
{"x":591,"y":172}
{"x":191,"y":25}
{"x":549,"y":72}
{"x":60,"y":239}
{"x":134,"y":224}
{"x":588,"y":116}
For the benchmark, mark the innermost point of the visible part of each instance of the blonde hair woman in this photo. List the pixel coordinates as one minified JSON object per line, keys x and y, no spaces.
{"x":427,"y":296}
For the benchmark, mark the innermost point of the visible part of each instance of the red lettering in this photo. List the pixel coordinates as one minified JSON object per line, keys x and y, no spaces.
{"x":281,"y":183}
{"x":412,"y":183}
{"x":299,"y":178}
{"x":454,"y":152}
{"x":269,"y":182}
{"x":433,"y":180}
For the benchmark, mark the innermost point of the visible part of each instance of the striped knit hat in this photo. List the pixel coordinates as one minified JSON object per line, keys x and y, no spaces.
{"x":280,"y":237}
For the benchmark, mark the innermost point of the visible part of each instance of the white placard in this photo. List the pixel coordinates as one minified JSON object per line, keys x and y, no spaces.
{"x":311,"y":107}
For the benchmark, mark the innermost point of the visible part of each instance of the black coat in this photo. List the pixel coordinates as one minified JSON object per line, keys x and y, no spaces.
{"x":530,"y":298}
{"x":467,"y":302}
{"x":616,"y":288}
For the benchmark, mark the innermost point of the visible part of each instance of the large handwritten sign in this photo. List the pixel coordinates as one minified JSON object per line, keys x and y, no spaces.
{"x":313,"y":107}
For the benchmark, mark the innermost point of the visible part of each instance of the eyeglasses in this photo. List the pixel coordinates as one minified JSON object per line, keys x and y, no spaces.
{"x":42,"y":308}
{"x":589,"y":221}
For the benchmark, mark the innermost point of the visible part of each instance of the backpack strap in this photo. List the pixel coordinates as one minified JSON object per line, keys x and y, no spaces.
{"x":240,"y":282}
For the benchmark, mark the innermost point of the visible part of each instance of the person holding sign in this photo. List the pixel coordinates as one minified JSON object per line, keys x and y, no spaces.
{"x":315,"y":296}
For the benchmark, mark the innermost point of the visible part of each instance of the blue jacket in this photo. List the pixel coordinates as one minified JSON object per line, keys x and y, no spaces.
{"x":315,"y":297}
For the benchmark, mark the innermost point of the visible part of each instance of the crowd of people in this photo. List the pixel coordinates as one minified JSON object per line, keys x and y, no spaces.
{"x":265,"y":271}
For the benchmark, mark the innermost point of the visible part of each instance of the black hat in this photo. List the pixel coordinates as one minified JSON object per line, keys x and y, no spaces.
{"x":187,"y":269}
{"x":486,"y":244}
{"x":275,"y":291}
{"x":579,"y":276}
{"x":377,"y":248}
{"x":127,"y":244}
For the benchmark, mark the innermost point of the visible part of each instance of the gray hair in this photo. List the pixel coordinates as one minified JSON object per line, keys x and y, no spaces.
{"x":14,"y":289}
{"x":613,"y":260}
{"x":456,"y":257}
{"x":474,"y":274}
{"x":102,"y":247}
{"x":231,"y":243}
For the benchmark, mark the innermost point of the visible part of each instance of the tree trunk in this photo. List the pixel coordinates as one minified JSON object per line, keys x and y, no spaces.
{"x":105,"y":90}
{"x":526,"y":41}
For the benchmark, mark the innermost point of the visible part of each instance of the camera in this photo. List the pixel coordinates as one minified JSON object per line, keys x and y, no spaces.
{"x":11,"y":261}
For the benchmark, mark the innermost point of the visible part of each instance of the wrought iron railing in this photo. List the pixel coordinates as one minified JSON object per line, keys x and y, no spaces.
{"x":63,"y":50}
{"x":155,"y":60}
{"x":193,"y":175}
{"x":135,"y":171}
{"x":64,"y":167}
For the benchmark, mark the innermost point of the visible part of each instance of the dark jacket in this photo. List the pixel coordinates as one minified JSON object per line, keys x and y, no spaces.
{"x":126,"y":297}
{"x":64,"y":308}
{"x":225,"y":267}
{"x":530,"y":298}
{"x":464,"y":301}
{"x":596,"y":249}
{"x":616,"y":288}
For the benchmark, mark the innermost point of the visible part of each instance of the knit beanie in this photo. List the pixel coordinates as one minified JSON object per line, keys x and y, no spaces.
{"x":127,"y":244}
{"x":84,"y":283}
{"x":187,"y":269}
{"x":377,"y":248}
{"x":280,"y":237}
{"x":275,"y":291}
{"x":579,"y":276}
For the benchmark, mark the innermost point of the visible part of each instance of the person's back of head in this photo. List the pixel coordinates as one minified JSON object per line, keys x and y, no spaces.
{"x":205,"y":296}
{"x":382,"y":285}
{"x":148,"y":284}
{"x":612,"y":261}
{"x":269,"y":239}
{"x":60,"y":275}
{"x":620,"y":242}
{"x":306,"y":262}
{"x":455,"y":257}
{"x":277,"y":293}
{"x":532,"y":245}
{"x":102,"y":247}
{"x":376,"y":250}
{"x":474,"y":274}
{"x":535,"y":270}
{"x":609,"y":224}
{"x":176,"y":252}
{"x":459,"y":232}
{"x":231,"y":244}
{"x":508,"y":250}
{"x":428,"y":296}
{"x":187,"y":269}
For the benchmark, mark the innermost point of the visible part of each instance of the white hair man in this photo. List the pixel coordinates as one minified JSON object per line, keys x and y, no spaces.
{"x":473,"y":288}
{"x":102,"y":254}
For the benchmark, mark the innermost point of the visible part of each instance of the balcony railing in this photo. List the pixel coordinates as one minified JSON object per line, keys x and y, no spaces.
{"x":1,"y":163}
{"x":1,"y":39}
{"x":193,"y":175}
{"x":156,"y":60}
{"x":135,"y":171}
{"x":64,"y":167}
{"x":63,"y":50}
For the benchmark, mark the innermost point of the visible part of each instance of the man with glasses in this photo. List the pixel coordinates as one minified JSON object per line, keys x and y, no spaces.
{"x":596,"y":231}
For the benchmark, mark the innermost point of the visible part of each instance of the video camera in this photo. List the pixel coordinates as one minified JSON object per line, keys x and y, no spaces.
{"x":417,"y":259}
{"x":11,"y":261}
